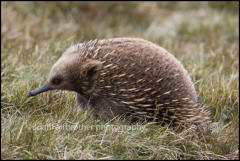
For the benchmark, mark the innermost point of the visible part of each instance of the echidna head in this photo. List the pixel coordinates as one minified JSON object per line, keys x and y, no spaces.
{"x":71,"y":72}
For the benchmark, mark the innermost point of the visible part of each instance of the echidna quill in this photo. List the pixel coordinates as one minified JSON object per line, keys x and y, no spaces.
{"x":127,"y":76}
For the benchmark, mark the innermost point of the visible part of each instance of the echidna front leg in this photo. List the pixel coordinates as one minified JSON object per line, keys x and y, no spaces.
{"x":81,"y":101}
{"x":100,"y":107}
{"x":84,"y":104}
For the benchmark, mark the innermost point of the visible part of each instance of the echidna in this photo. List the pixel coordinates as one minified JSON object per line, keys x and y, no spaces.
{"x":127,"y":76}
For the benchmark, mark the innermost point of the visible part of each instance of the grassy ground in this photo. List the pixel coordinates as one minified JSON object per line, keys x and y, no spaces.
{"x":203,"y":35}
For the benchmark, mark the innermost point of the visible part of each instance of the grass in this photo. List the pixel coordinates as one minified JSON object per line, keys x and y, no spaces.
{"x":204,"y":36}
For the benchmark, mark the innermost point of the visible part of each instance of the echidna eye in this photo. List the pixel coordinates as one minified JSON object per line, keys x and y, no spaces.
{"x":56,"y":81}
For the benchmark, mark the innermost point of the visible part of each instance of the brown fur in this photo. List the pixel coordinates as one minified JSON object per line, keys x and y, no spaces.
{"x":128,"y":76}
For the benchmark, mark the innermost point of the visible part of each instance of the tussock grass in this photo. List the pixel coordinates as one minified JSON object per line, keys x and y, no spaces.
{"x":204,"y":36}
